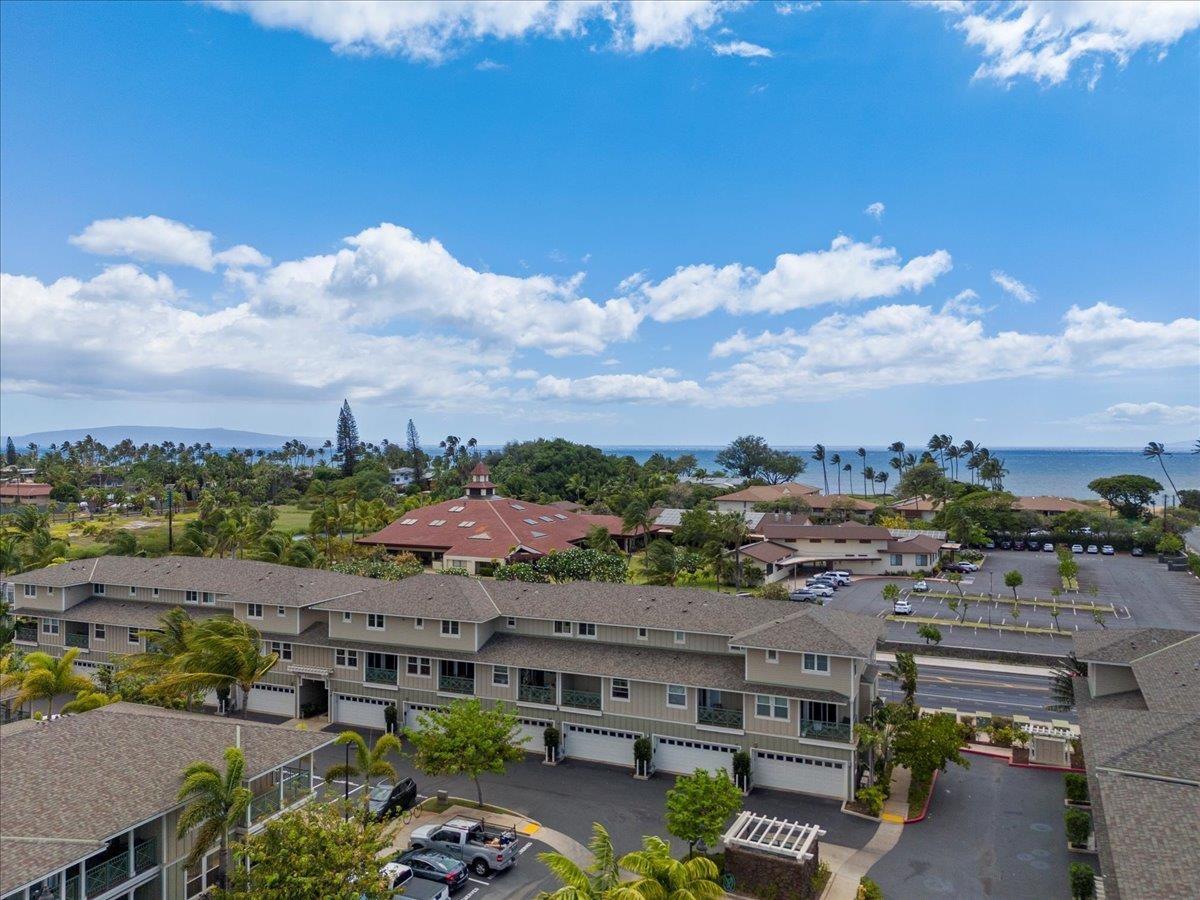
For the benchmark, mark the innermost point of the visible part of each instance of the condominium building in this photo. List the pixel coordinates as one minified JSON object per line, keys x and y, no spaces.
{"x":701,"y":674}
{"x":89,"y":808}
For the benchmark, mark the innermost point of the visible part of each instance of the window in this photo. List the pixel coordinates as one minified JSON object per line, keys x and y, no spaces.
{"x":587,"y":629}
{"x":500,"y":676}
{"x":816,"y":662}
{"x":132,"y":591}
{"x":419,"y":666}
{"x":284,"y":650}
{"x":133,"y":636}
{"x":346,"y":659}
{"x":772,"y":656}
{"x":438,"y":522}
{"x":561,"y":627}
{"x":50,"y":626}
{"x":680,"y":637}
{"x":208,"y":598}
{"x":922,"y":559}
{"x":281,"y":610}
{"x":375,"y":621}
{"x":253,"y":610}
{"x":99,"y":632}
{"x":98,"y":590}
{"x":347,"y":617}
{"x":418,"y":624}
{"x":767,"y":707}
{"x":191,"y":597}
{"x":676,"y":695}
{"x":512,"y":621}
{"x":620,"y":689}
{"x":155,"y":592}
{"x":31,"y":590}
{"x":450,"y":628}
{"x":895,"y":559}
{"x":204,"y":876}
{"x":643,"y":634}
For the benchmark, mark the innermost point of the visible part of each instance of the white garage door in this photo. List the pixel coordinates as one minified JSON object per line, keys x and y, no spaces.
{"x":274,"y":699}
{"x":362,"y":712}
{"x":804,"y":774}
{"x":683,"y":756}
{"x":605,"y":745}
{"x":535,"y":730}
{"x":412,"y":713}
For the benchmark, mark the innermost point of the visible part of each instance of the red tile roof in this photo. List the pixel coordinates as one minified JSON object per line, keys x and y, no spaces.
{"x":27,"y":490}
{"x":490,"y":528}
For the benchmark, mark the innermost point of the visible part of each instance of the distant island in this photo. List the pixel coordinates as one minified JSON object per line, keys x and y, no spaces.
{"x":156,"y":434}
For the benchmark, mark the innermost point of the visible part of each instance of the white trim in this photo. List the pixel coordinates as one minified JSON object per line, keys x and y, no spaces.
{"x":671,"y":705}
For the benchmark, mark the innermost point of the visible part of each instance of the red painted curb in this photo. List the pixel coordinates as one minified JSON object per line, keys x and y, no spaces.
{"x":928,"y":797}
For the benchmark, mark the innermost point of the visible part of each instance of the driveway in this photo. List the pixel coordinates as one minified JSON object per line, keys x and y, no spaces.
{"x":992,"y":831}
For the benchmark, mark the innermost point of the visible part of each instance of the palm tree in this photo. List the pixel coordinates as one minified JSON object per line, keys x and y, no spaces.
{"x":1155,"y":450}
{"x":666,"y":878}
{"x":597,"y":881}
{"x":661,"y":564}
{"x":897,"y":448}
{"x":48,"y":676}
{"x":1062,"y":683}
{"x":849,"y":476}
{"x":881,"y":477}
{"x":861,"y":452}
{"x":819,"y":455}
{"x":87,"y":700}
{"x":836,"y":461}
{"x":221,"y":652}
{"x":952,"y":454}
{"x":869,"y":476}
{"x":369,"y":762}
{"x":904,"y":672}
{"x":218,"y":804}
{"x":636,"y":517}
{"x":599,"y":539}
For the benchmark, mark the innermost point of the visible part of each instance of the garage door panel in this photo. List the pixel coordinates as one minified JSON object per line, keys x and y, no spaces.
{"x":607,"y":745}
{"x":798,"y":773}
{"x":362,"y":712}
{"x":682,"y":756}
{"x":413,"y":713}
{"x":535,"y":730}
{"x":272,"y":699}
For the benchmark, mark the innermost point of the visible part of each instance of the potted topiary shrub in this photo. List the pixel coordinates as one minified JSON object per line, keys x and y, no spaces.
{"x":1079,"y":829}
{"x":643,"y":751}
{"x":1077,"y":790}
{"x":741,"y":771}
{"x":552,"y":738}
{"x":390,"y":716}
{"x":1020,"y":753}
{"x":1083,"y":881}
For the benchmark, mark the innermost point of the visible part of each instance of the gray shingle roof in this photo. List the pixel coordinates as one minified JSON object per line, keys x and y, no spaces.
{"x":90,"y":776}
{"x":1117,"y":645}
{"x":1169,"y":678}
{"x":426,"y":596}
{"x":817,"y":629}
{"x":134,"y":613}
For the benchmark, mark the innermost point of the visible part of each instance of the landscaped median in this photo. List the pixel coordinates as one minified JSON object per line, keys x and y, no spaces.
{"x":954,"y":623}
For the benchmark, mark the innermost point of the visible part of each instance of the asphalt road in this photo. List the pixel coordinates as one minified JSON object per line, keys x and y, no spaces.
{"x":967,"y":691}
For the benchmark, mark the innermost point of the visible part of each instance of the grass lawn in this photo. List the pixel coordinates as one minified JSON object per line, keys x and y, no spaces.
{"x":292,"y":518}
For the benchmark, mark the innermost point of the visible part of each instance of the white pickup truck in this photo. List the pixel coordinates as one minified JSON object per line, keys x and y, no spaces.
{"x":483,"y":849}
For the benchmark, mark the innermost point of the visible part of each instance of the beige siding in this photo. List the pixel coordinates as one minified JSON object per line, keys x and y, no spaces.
{"x":1104,"y":679}
{"x":620,"y":634}
{"x":785,"y":728}
{"x":402,"y":631}
{"x":649,"y":701}
{"x":49,"y":599}
{"x":307,"y":655}
{"x":485,"y":688}
{"x":789,"y":671}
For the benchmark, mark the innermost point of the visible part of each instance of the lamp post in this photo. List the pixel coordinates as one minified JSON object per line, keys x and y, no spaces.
{"x":170,"y":517}
{"x":346,"y":787}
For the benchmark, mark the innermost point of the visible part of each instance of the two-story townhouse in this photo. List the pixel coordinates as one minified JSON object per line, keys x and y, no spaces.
{"x":89,"y":808}
{"x":689,"y":669}
{"x":748,"y":497}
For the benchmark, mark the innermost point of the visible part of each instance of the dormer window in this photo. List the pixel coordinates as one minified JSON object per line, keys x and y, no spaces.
{"x":772,"y":656}
{"x":98,"y":590}
{"x":816,"y":662}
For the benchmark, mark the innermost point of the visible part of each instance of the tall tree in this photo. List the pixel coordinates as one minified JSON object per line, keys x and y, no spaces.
{"x":1155,"y":450}
{"x":464,"y":738}
{"x":347,"y":439}
{"x":1128,"y":494}
{"x":818,"y":454}
{"x":836,"y":461}
{"x":592,"y":882}
{"x":416,"y":456}
{"x":663,"y":876}
{"x":221,"y":653}
{"x":10,"y":453}
{"x":1063,"y":677}
{"x":47,"y":676}
{"x":861,"y":452}
{"x":928,"y":745}
{"x":904,"y":672}
{"x":700,"y":804}
{"x":368,"y":762}
{"x":218,"y":804}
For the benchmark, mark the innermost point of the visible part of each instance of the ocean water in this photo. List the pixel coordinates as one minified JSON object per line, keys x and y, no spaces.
{"x":1033,"y":471}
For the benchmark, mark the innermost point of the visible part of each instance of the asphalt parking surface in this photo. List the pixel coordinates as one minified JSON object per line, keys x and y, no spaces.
{"x":992,"y":831}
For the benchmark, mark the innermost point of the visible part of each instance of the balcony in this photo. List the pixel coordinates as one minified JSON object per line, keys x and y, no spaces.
{"x":536,"y":693}
{"x":377,"y":675}
{"x":145,"y":856}
{"x":826,"y":731}
{"x":26,"y":632}
{"x":719,"y":716}
{"x":456,"y":684}
{"x":76,"y":639}
{"x":581,"y":699}
{"x":100,"y":879}
{"x":265,"y":805}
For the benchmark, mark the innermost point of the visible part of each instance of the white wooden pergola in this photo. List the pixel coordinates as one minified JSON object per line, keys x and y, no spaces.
{"x":770,"y":835}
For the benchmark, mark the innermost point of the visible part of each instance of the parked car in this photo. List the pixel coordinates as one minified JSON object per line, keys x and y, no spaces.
{"x":1033,"y":546}
{"x":402,"y":883}
{"x":484,"y":848}
{"x":1092,"y":548}
{"x":387,"y":800}
{"x":1077,"y":548}
{"x":842,"y":578}
{"x":968,"y":566}
{"x":802,"y":595}
{"x":953,"y":567}
{"x":1017,"y":545}
{"x":990,"y":545}
{"x":822,"y":582}
{"x":432,"y":865}
{"x":821,"y":590}
{"x":902,"y":608}
{"x":1137,"y":551}
{"x":1007,"y":545}
{"x":920,"y":587}
{"x":1107,"y":550}
{"x":1048,"y":547}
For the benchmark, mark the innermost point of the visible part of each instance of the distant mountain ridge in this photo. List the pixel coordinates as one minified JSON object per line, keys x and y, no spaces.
{"x":110,"y":435}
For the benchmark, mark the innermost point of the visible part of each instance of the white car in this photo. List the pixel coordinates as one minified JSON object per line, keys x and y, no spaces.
{"x":1107,"y":550}
{"x":842,"y":578}
{"x":1077,"y":548}
{"x":902,"y":608}
{"x":1092,"y":548}
{"x":821,"y":590}
{"x":969,"y":567}
{"x":920,"y":587}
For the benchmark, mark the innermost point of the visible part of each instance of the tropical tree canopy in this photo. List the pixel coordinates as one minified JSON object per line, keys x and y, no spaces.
{"x":217,"y":803}
{"x":466,"y":738}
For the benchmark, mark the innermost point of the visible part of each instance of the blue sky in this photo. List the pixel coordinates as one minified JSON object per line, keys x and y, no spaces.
{"x":847,"y":223}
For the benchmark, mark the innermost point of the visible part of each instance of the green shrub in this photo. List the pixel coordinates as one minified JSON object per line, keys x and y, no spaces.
{"x":1083,"y":881}
{"x":869,"y":890}
{"x":1170,"y":545}
{"x":872,"y":799}
{"x":1001,"y":735}
{"x":821,"y":878}
{"x":1077,"y":787}
{"x":1079,"y":826}
{"x":966,"y":732}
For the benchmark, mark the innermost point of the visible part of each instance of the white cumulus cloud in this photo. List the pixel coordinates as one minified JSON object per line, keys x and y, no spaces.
{"x":742,"y":48}
{"x":1147,"y":414}
{"x":875,"y":210}
{"x":1014,"y":288}
{"x":166,"y":241}
{"x":1045,"y":39}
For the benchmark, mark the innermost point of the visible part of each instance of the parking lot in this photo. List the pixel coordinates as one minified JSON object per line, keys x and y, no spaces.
{"x":1142,"y":591}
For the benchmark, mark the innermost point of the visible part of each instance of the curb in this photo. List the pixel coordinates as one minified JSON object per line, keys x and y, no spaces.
{"x":1017,"y":765}
{"x":928,"y":797}
{"x":986,"y":753}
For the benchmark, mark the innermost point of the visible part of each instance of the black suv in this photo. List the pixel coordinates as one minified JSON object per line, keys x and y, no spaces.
{"x":387,"y":800}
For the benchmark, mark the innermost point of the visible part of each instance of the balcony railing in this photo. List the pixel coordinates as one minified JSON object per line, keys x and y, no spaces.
{"x":536,"y":693}
{"x":265,"y":805}
{"x":381,"y":676}
{"x":107,"y":875}
{"x":73,"y":888}
{"x":456,"y":684}
{"x":145,"y":855}
{"x":77,"y":640}
{"x":296,"y":785}
{"x":581,"y":699}
{"x":26,"y":632}
{"x":826,"y":731}
{"x":720,"y":717}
